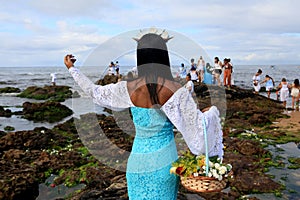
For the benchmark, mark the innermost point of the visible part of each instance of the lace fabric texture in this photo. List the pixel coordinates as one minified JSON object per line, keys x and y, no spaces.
{"x":183,"y":113}
{"x":112,"y":96}
{"x":154,"y":150}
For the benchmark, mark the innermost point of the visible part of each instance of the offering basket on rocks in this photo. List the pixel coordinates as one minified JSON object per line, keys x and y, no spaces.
{"x":201,"y":173}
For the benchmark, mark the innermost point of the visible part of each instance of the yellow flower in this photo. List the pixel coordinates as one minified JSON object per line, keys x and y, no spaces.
{"x":201,"y":162}
{"x":173,"y":170}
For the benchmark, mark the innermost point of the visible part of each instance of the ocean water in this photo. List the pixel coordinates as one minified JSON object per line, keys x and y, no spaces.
{"x":23,"y":77}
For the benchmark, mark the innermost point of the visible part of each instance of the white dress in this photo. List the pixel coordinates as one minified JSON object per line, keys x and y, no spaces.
{"x":256,"y":83}
{"x":284,"y":92}
{"x":295,"y":92}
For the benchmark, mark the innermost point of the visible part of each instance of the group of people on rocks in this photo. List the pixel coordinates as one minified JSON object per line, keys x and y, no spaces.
{"x":283,"y":90}
{"x":114,"y":68}
{"x":205,"y":73}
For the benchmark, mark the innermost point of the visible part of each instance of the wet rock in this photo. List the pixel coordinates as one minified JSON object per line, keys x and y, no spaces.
{"x":91,"y":195}
{"x":10,"y":90}
{"x":5,"y":112}
{"x":27,"y":158}
{"x":259,"y":120}
{"x":53,"y":93}
{"x":47,"y":111}
{"x":9,"y":128}
{"x":2,"y":133}
{"x":108,"y":79}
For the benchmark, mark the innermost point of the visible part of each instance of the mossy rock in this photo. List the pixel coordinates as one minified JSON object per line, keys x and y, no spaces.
{"x":10,"y":90}
{"x":107,"y":79}
{"x":9,"y":128}
{"x":5,"y":112}
{"x":53,"y":93}
{"x":47,"y":111}
{"x":295,"y":163}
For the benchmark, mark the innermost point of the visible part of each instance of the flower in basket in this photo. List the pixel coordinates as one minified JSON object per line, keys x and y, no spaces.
{"x":191,"y":165}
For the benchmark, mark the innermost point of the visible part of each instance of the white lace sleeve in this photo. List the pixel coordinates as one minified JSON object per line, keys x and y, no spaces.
{"x":183,"y":113}
{"x":112,"y":96}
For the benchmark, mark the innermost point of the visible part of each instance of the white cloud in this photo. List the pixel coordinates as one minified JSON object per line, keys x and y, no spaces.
{"x":260,"y":31}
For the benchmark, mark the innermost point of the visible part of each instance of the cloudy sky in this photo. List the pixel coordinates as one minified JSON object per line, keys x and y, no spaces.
{"x":41,"y":32}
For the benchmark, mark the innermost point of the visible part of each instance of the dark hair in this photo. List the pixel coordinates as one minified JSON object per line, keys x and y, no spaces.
{"x":189,"y":75}
{"x":193,"y":68}
{"x":296,"y":82}
{"x":217,"y":58}
{"x":227,"y":60}
{"x":283,"y":80}
{"x":259,"y":71}
{"x":153,"y":62}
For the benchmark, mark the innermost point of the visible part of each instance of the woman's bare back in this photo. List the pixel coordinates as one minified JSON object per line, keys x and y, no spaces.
{"x":140,"y":96}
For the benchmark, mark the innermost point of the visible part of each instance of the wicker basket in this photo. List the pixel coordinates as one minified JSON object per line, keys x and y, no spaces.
{"x":204,"y":183}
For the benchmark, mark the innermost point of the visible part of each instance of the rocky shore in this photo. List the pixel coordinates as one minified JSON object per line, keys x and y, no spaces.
{"x":29,"y":158}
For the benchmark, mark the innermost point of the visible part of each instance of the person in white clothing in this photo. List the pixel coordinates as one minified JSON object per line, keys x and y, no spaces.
{"x":189,"y":84}
{"x":256,"y":81}
{"x":111,"y":69}
{"x":217,"y":71}
{"x":200,"y":68}
{"x":53,"y":79}
{"x":194,"y":74}
{"x":117,"y":68}
{"x":284,"y":91}
{"x":295,"y":93}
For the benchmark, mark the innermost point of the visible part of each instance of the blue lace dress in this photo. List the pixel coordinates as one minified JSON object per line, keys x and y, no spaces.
{"x":154,"y":150}
{"x":207,"y":77}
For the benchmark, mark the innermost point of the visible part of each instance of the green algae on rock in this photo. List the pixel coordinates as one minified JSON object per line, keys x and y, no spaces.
{"x":47,"y":111}
{"x":53,"y":93}
{"x":10,"y":90}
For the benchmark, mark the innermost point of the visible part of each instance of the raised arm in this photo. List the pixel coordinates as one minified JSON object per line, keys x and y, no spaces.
{"x":183,"y":113}
{"x":113,"y":96}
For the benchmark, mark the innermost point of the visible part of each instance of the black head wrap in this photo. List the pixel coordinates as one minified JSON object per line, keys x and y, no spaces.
{"x":153,"y":57}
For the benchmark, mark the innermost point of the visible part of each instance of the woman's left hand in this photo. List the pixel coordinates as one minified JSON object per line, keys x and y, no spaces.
{"x":69,"y":61}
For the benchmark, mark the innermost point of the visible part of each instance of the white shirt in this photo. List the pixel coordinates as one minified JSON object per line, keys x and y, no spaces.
{"x":190,"y":86}
{"x":194,"y":75}
{"x":53,"y":76}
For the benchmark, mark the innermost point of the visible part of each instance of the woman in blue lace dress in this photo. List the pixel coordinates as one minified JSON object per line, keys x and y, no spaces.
{"x":157,"y":103}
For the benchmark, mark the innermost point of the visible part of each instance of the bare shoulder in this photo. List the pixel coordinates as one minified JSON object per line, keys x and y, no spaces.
{"x":172,"y":85}
{"x":134,"y":85}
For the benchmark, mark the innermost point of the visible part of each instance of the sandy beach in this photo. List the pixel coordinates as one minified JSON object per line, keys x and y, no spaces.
{"x":291,"y":124}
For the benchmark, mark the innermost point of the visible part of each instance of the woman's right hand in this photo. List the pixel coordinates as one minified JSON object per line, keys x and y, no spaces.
{"x":69,"y":61}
